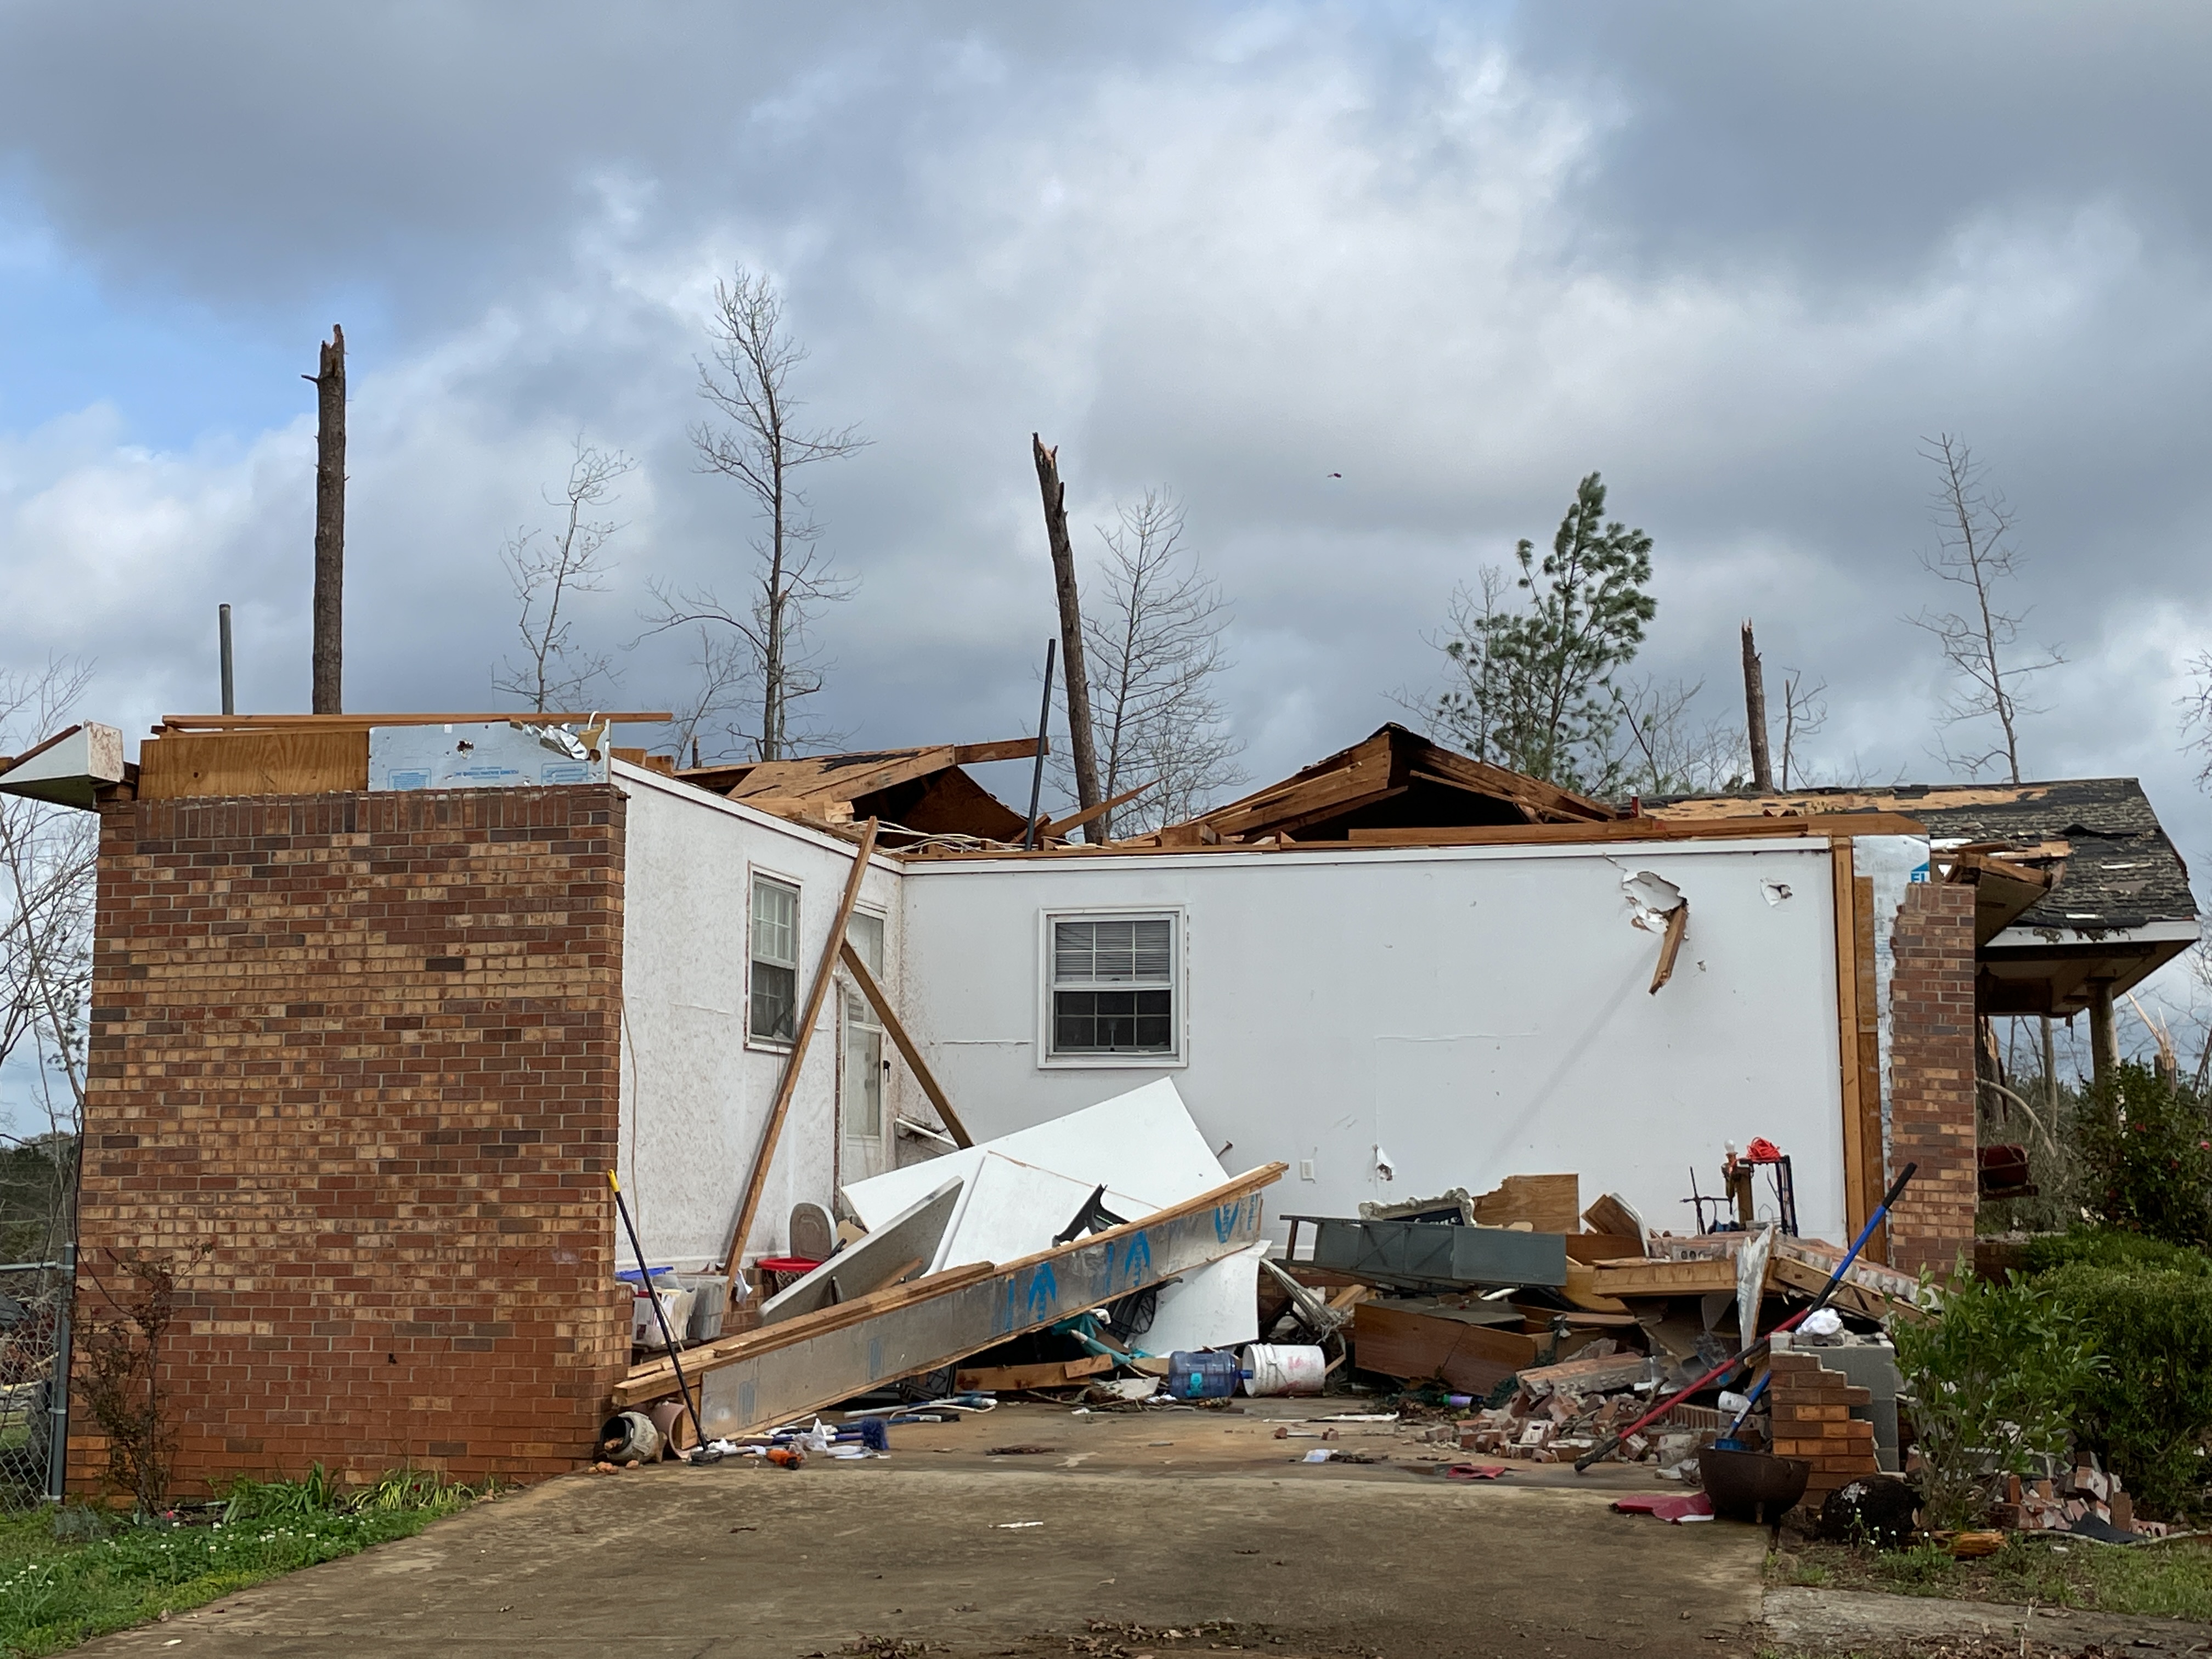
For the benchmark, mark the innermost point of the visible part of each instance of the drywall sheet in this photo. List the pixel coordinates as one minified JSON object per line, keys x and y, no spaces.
{"x":1216,"y":1306}
{"x":1142,"y":1147}
{"x":869,"y":1263}
{"x":502,"y":756}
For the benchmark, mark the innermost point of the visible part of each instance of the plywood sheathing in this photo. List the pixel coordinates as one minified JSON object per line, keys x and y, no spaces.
{"x":1395,"y":778}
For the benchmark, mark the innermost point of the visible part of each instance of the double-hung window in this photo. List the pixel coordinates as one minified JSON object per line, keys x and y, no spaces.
{"x":774,"y":1015}
{"x":1113,"y":986}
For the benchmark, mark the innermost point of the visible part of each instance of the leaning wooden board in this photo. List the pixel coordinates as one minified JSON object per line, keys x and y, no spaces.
{"x":783,"y":1371}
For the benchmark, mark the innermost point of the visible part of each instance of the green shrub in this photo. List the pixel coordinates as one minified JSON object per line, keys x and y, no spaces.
{"x":1994,"y":1378}
{"x":2145,"y":1150}
{"x":2150,"y":1410}
{"x":2096,"y":1246}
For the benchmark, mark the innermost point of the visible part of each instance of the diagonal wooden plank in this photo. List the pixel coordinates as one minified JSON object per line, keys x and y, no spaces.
{"x":756,"y":1183}
{"x":882,"y":1004}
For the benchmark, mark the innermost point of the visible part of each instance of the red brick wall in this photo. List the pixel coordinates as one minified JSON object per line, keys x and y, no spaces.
{"x":364,"y":1046}
{"x":1931,"y":1070}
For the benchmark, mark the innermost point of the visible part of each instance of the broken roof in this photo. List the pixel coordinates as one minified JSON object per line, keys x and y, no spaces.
{"x":2093,"y":888}
{"x":921,"y":790}
{"x":1392,"y":779}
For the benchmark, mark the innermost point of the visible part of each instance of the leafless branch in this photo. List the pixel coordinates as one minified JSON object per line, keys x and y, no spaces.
{"x":1973,"y":528}
{"x":548,"y":571}
{"x":1804,"y":712}
{"x":47,"y":859}
{"x":1665,"y":749}
{"x":1153,"y":637}
{"x":753,"y":439}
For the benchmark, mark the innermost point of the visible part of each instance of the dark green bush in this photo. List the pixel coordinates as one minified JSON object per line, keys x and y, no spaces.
{"x":2096,"y":1246}
{"x":2145,"y":1148}
{"x":2149,"y":1411}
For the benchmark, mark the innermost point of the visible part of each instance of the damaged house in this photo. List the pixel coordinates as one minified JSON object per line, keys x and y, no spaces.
{"x":378,"y":1001}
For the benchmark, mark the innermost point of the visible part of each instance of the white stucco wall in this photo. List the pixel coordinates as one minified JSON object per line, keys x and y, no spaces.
{"x":694,"y":1096}
{"x":1477,"y":1012}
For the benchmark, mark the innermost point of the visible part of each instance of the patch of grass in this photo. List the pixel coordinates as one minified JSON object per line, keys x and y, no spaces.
{"x":2171,"y":1580}
{"x":66,"y":1578}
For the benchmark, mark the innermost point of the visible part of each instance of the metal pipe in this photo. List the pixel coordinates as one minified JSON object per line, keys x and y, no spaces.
{"x":58,"y":1391}
{"x":660,"y":1313}
{"x":223,"y":633}
{"x":1044,"y":748}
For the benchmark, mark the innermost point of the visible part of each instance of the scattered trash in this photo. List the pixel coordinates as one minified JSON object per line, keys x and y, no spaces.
{"x":1694,"y":1507}
{"x":1474,"y":1471}
{"x":1013,"y":1526}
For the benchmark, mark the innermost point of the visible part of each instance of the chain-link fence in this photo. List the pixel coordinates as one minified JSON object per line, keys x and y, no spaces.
{"x":34,"y":1308}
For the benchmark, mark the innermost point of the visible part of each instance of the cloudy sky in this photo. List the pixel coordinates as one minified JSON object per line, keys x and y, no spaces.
{"x":1740,"y":259}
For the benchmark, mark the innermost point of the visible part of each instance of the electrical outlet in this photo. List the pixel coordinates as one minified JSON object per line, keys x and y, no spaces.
{"x":1305,"y":1169}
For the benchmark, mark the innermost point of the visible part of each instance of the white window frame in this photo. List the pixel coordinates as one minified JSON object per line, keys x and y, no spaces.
{"x":1179,"y":982}
{"x":755,"y":874}
{"x":849,"y":987}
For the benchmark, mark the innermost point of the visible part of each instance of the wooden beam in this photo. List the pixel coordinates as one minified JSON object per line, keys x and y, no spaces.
{"x":1829,"y":826}
{"x":1225,"y":1233}
{"x":1670,"y":945}
{"x":974,"y":754}
{"x":885,"y":1012}
{"x":278,"y":722}
{"x":1847,"y":1038}
{"x":756,"y":1183}
{"x":1077,"y":820}
{"x":1012,"y":1379}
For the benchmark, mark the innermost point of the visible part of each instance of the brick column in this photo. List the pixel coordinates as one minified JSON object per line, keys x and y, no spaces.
{"x":1931,"y":1074}
{"x":356,"y":1056}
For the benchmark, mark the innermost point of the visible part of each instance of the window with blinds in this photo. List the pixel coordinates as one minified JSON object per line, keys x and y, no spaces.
{"x":1113,"y":985}
{"x":774,"y":1014}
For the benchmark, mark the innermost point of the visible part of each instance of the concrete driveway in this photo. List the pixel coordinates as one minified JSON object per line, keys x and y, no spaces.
{"x":1093,"y":1540}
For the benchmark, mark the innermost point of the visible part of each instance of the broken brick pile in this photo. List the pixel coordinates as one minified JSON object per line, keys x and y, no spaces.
{"x":2084,"y":1490}
{"x":1813,"y":1421}
{"x":1559,"y":1411}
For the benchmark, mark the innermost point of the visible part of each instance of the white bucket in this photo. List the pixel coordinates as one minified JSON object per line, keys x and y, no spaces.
{"x":1276,"y":1368}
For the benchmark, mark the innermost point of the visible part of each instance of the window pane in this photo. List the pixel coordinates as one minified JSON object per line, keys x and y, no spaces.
{"x":866,"y":933}
{"x":1113,"y":1022}
{"x":775,"y":1002}
{"x":1112,"y":952}
{"x":775,"y":923}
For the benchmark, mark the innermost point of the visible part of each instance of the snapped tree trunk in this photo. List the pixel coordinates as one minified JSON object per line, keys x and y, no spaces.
{"x":330,"y":525}
{"x":1754,"y":713}
{"x":1082,"y":750}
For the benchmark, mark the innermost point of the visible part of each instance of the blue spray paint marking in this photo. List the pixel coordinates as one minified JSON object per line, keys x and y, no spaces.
{"x":1228,"y":1220}
{"x":1139,"y":1262}
{"x":1044,"y":1293}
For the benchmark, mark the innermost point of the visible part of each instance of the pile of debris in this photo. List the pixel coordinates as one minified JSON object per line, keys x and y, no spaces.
{"x":2086,"y":1499}
{"x":1107,"y":1240}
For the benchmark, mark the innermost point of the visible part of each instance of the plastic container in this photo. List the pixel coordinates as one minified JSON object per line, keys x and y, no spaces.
{"x":645,"y":1324}
{"x":709,"y":1304}
{"x":1276,"y":1368}
{"x":1206,"y":1374}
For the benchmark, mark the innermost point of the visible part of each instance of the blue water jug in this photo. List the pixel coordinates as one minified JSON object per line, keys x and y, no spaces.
{"x":1203,"y":1376}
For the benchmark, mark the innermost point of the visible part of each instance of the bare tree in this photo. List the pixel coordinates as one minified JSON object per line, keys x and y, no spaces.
{"x":755,"y":439}
{"x":1153,"y":636}
{"x":48,"y":857}
{"x":1973,"y":532}
{"x":1662,"y":747}
{"x":1804,"y":711}
{"x":2196,"y":716}
{"x":548,"y":571}
{"x":725,"y":667}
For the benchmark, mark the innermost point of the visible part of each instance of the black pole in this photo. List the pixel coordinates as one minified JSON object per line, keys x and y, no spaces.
{"x":222,"y":634}
{"x":645,"y":1277}
{"x":1044,"y":748}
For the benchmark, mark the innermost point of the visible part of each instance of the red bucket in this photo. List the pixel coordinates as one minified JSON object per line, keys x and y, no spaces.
{"x":778,"y":1273}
